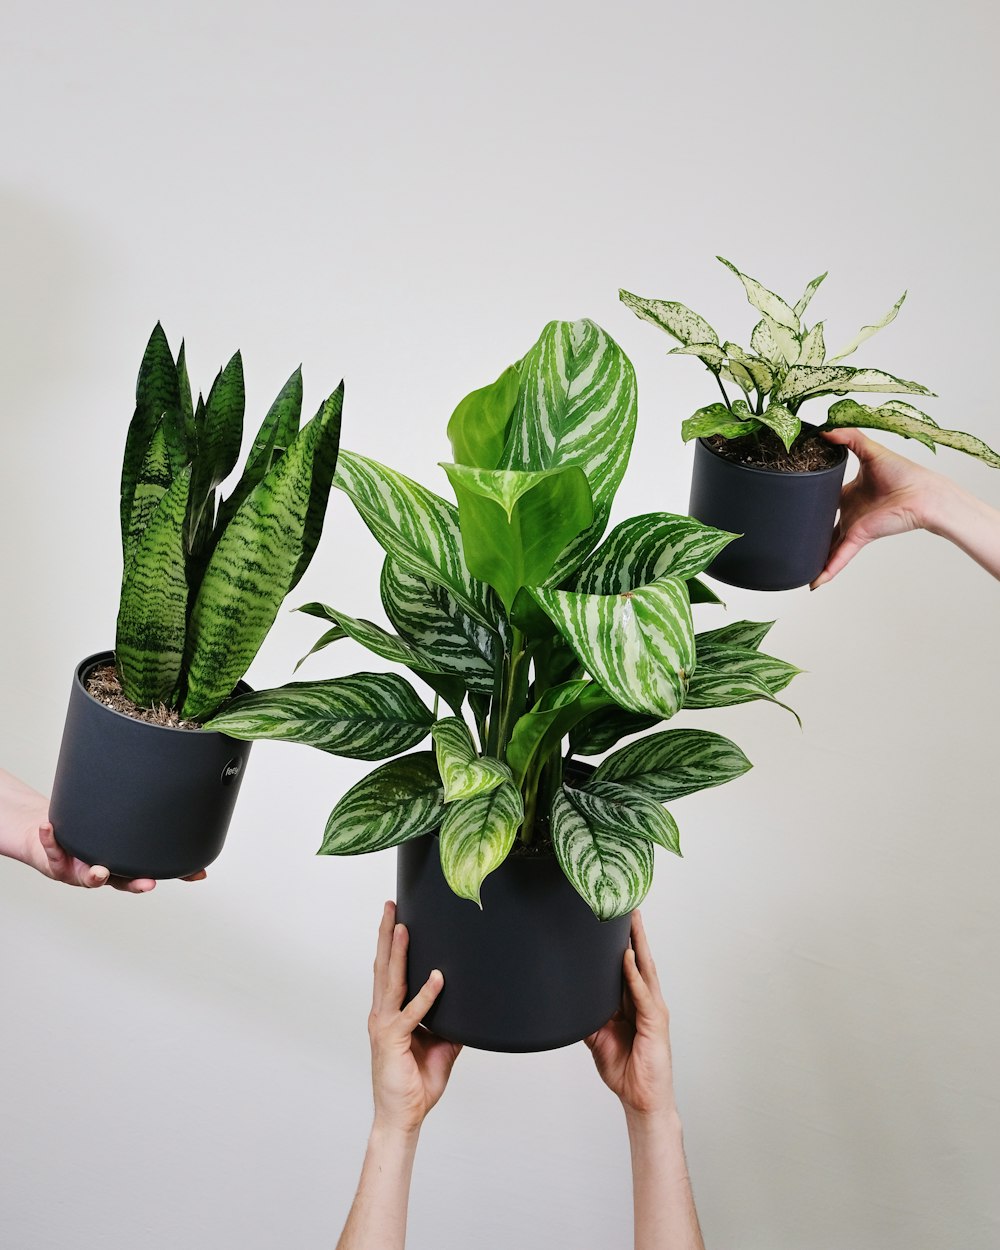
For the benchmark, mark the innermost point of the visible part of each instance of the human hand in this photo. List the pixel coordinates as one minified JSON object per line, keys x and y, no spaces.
{"x":410,"y":1065}
{"x":46,"y":855}
{"x":632,"y":1051}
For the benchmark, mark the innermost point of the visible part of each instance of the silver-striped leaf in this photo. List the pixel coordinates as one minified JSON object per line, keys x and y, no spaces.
{"x":463,"y":771}
{"x":669,"y":765}
{"x":613,"y":809}
{"x":603,"y":729}
{"x":370,"y":636}
{"x":476,"y":837}
{"x":803,"y":381}
{"x":728,"y":689}
{"x":716,"y":657}
{"x":866,"y":332}
{"x":398,"y":801}
{"x":737,"y":634}
{"x":611,"y":874}
{"x":772,"y":306}
{"x":889,"y":417}
{"x":646,"y":547}
{"x":678,"y":321}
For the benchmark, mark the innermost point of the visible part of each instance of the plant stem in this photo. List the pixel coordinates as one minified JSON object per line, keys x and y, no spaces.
{"x":493,"y":737}
{"x":518,"y":655}
{"x":723,"y":390}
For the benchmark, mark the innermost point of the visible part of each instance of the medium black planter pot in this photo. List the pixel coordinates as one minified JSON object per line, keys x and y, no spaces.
{"x":143,"y":800}
{"x":533,"y":970}
{"x":786,"y":519}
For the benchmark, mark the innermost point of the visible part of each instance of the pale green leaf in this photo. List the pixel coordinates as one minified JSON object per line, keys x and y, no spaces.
{"x":462,"y":770}
{"x":866,"y":332}
{"x":679,"y":322}
{"x":710,"y":354}
{"x":476,"y":837}
{"x":759,"y":370}
{"x":611,"y":873}
{"x":849,"y":413}
{"x":813,"y":350}
{"x":805,"y":299}
{"x":784,"y":423}
{"x":398,"y":801}
{"x":802,"y":381}
{"x":771,"y":305}
{"x":478,"y":426}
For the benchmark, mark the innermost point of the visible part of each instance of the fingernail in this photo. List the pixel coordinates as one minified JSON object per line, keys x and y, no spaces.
{"x":101,"y":875}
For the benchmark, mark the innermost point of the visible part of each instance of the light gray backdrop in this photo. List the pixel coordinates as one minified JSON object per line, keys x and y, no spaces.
{"x":403,"y":195}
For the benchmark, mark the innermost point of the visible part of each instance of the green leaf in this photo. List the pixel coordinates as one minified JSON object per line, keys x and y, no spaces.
{"x":669,"y":765}
{"x":784,"y":423}
{"x":152,"y":615}
{"x":538,"y":733}
{"x":646,"y":547}
{"x":772,"y":306}
{"x":576,"y":406}
{"x":759,"y":371}
{"x":416,"y":527}
{"x":613,"y":810}
{"x":710,"y":354}
{"x":699,"y":592}
{"x":610,"y":873}
{"x":639,"y":646}
{"x":737,"y":634}
{"x":156,"y":392}
{"x":476,"y":837}
{"x":813,"y":349}
{"x":805,"y":299}
{"x":716,"y":658}
{"x":599,"y":732}
{"x":516,"y":524}
{"x":366,"y":716}
{"x":910,"y":424}
{"x":184,"y":396}
{"x":727,"y":689}
{"x":716,"y":419}
{"x":478,"y":426}
{"x":324,"y":464}
{"x":372,"y":637}
{"x":219,"y":439}
{"x":764,"y":343}
{"x":398,"y":801}
{"x":679,"y":322}
{"x":163,"y":462}
{"x":866,"y":332}
{"x":464,"y":773}
{"x":802,"y":381}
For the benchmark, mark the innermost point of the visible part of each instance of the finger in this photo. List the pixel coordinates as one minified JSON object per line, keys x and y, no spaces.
{"x":422,"y":1001}
{"x":382,"y":948}
{"x":53,"y":851}
{"x":395,"y":981}
{"x":643,"y":952}
{"x":128,"y":885}
{"x":842,"y":554}
{"x":864,"y":448}
{"x":196,"y":876}
{"x":642,"y":996}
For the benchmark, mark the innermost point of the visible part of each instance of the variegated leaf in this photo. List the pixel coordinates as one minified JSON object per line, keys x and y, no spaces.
{"x":602,"y":730}
{"x":156,"y":392}
{"x":802,"y":381}
{"x":476,"y":837}
{"x":710,"y":354}
{"x":813,"y":350}
{"x":716,"y":419}
{"x":787,"y":344}
{"x":728,"y":658}
{"x":464,"y":773}
{"x":738,"y":634}
{"x":646,"y":547}
{"x":366,"y":716}
{"x":724,"y":689}
{"x":612,"y":809}
{"x":679,"y":322}
{"x":576,"y":406}
{"x":764,"y":344}
{"x":771,"y":305}
{"x":760,"y":371}
{"x":889,"y":417}
{"x":866,"y":332}
{"x":372,"y":637}
{"x":639,"y":645}
{"x":669,"y":765}
{"x":398,"y":801}
{"x":734,"y":372}
{"x":539,"y":732}
{"x":610,"y":873}
{"x":164,"y":460}
{"x":805,"y":299}
{"x":784,"y":423}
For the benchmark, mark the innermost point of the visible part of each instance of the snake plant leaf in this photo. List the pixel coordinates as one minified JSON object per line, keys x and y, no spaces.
{"x":164,"y":460}
{"x":251,"y":570}
{"x":639,"y":646}
{"x":783,"y":422}
{"x":669,"y":765}
{"x":476,"y":837}
{"x":866,"y":332}
{"x":430,"y":618}
{"x":716,"y":419}
{"x":605,"y":728}
{"x":416,"y":527}
{"x":576,"y":406}
{"x":185,"y":403}
{"x":539,"y":732}
{"x":748,"y":634}
{"x":710,"y":354}
{"x":366,"y":716}
{"x":324,"y":465}
{"x":727,"y":689}
{"x":772,"y":306}
{"x":805,"y":299}
{"x":478,"y":427}
{"x":464,"y":773}
{"x":678,"y":321}
{"x":220,"y":436}
{"x":156,"y":392}
{"x":910,"y":424}
{"x":717,"y":658}
{"x":759,"y":370}
{"x":813,"y":349}
{"x":611,"y":874}
{"x":803,"y":381}
{"x":646,"y":547}
{"x":372,"y":637}
{"x":516,"y":524}
{"x":613,"y":810}
{"x":152,"y":614}
{"x":398,"y":801}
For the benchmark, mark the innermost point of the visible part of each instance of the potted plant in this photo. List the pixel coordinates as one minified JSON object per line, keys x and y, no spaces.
{"x":518,"y":865}
{"x":759,"y":469}
{"x":140,"y":786}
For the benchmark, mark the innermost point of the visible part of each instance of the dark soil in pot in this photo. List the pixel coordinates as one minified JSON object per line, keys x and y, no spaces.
{"x":810,"y":453}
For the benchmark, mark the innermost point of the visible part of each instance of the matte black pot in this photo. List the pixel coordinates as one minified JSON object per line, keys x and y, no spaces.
{"x":143,"y":800}
{"x":534,"y":970}
{"x":786,"y":519}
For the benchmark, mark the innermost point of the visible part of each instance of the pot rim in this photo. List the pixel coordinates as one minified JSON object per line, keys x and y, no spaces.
{"x":781,"y":473}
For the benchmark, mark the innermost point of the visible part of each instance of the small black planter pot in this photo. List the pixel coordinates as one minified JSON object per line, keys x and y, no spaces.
{"x":786,"y":519}
{"x":534,"y":970}
{"x":143,"y":800}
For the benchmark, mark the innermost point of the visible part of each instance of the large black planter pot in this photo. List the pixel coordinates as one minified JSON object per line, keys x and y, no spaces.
{"x":786,"y":519}
{"x":534,"y":970}
{"x":143,"y":800}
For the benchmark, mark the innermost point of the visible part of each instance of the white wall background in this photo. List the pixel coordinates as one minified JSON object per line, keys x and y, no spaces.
{"x":403,"y":195}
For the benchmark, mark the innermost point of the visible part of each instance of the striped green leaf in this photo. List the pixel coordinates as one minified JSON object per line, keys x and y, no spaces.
{"x":803,"y":381}
{"x":784,"y":423}
{"x":462,"y":770}
{"x":370,"y":636}
{"x":156,"y":392}
{"x":669,"y":765}
{"x":813,"y":349}
{"x":679,"y":322}
{"x":738,"y":634}
{"x":366,"y":716}
{"x":416,"y":527}
{"x":715,"y":657}
{"x":716,"y":419}
{"x":476,"y":837}
{"x":772,"y":306}
{"x":538,"y":733}
{"x":149,"y":647}
{"x":805,"y":299}
{"x":613,"y":810}
{"x":602,"y":730}
{"x":721,"y":688}
{"x":478,"y":427}
{"x":902,"y":419}
{"x":164,"y":460}
{"x":646,"y":547}
{"x":866,"y":332}
{"x":576,"y":406}
{"x":611,"y":874}
{"x":324,"y":464}
{"x":639,"y":646}
{"x":516,"y":524}
{"x":759,"y":371}
{"x":398,"y":801}
{"x":251,"y":571}
{"x":220,"y":436}
{"x":184,"y":396}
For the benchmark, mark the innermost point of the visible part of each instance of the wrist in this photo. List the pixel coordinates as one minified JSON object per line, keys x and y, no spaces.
{"x":660,"y":1123}
{"x":387,"y":1136}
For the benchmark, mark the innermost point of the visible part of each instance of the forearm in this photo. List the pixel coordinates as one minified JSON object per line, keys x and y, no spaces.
{"x":663,"y":1204}
{"x":377,"y":1219}
{"x":969,"y":523}
{"x":22,"y":810}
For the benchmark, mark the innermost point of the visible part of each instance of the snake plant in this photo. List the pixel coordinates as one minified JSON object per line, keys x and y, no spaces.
{"x":786,"y":365}
{"x":541,"y":642}
{"x":204,"y":577}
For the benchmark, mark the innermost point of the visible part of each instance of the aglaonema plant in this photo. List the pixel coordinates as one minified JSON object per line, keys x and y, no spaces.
{"x":786,"y":366}
{"x":204,"y":577}
{"x":543,"y":642}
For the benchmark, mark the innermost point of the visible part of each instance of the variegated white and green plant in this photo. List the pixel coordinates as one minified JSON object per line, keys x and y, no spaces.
{"x":541,"y":643}
{"x":203,"y":576}
{"x":787,"y":365}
